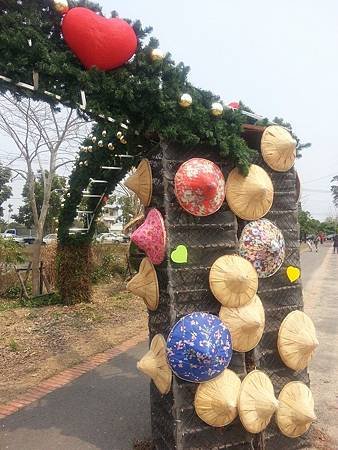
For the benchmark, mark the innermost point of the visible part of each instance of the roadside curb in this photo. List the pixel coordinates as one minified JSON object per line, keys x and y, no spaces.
{"x":67,"y":376}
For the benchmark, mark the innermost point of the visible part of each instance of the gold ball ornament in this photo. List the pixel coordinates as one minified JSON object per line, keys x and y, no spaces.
{"x":217,"y":109}
{"x":90,"y":148}
{"x":157,"y":55}
{"x":185,"y":100}
{"x":119,"y":135}
{"x":123,"y":140}
{"x":61,"y":6}
{"x":104,"y":133}
{"x":100,"y":143}
{"x":111,"y":146}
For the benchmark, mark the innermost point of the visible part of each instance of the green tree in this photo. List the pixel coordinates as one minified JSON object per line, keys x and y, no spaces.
{"x":308,"y":225}
{"x":334,"y":189}
{"x":5,"y":190}
{"x":25,"y":214}
{"x":329,"y":226}
{"x":10,"y":253}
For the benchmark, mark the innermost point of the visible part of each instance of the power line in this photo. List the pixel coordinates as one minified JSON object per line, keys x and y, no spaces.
{"x":321,"y":178}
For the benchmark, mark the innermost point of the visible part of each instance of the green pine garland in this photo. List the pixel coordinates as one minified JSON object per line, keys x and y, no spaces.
{"x":143,"y":93}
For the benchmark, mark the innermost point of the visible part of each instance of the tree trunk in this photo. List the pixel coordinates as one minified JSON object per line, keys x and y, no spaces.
{"x":74,"y":267}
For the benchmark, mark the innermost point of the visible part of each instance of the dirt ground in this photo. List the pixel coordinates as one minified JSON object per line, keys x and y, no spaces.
{"x":36,"y":343}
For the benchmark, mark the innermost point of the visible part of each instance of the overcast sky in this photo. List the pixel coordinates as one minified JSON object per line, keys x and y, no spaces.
{"x":280,"y":58}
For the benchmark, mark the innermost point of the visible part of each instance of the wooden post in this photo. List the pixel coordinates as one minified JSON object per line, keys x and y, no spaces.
{"x":41,"y":278}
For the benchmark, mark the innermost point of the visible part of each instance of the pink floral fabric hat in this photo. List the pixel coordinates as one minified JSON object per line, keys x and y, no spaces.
{"x":151,"y":236}
{"x":262,"y":243}
{"x":200,"y":187}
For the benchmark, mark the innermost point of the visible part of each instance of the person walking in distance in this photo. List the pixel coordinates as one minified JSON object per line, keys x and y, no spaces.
{"x":335,"y":243}
{"x":317,"y":239}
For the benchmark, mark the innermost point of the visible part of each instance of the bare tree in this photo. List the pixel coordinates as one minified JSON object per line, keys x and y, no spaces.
{"x":45,"y":140}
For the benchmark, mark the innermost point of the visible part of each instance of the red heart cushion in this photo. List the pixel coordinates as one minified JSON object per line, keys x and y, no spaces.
{"x":97,"y":41}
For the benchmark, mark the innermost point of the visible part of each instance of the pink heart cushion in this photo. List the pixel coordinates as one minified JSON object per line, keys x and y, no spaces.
{"x":98,"y":41}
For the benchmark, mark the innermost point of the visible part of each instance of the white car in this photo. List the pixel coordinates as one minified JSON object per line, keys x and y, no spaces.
{"x":109,"y":237}
{"x":50,"y":239}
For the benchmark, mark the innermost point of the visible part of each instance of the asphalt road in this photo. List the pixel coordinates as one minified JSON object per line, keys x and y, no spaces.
{"x":108,"y":408}
{"x":105,"y":409}
{"x":320,"y":289}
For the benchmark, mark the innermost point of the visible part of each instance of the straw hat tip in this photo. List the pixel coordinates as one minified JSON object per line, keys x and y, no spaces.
{"x":254,"y":325}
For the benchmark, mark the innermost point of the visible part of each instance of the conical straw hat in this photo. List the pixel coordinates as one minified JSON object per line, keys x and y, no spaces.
{"x":296,"y":409}
{"x":145,"y":284}
{"x":141,"y":182}
{"x":233,"y":281}
{"x":154,"y":364}
{"x":257,"y":402}
{"x":262,"y":243}
{"x":298,"y":188}
{"x":133,"y":223}
{"x":151,"y":236}
{"x":216,"y":400}
{"x":249,"y":197}
{"x":200,"y":187}
{"x":278,"y":148}
{"x":297,"y":340}
{"x":199,"y":347}
{"x":246,"y":324}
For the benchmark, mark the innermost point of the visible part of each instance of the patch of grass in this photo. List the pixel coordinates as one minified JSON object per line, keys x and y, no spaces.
{"x":13,"y":345}
{"x":6,"y":305}
{"x":42,"y":300}
{"x":121,"y":300}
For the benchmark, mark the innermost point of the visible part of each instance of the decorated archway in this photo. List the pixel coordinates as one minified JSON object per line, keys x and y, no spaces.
{"x":135,"y":104}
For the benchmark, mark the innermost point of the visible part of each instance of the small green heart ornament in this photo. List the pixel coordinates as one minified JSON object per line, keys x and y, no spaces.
{"x":293,"y":273}
{"x":180,"y":254}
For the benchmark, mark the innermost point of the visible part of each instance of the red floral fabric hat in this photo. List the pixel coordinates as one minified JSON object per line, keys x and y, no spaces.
{"x":200,"y":187}
{"x":151,"y":236}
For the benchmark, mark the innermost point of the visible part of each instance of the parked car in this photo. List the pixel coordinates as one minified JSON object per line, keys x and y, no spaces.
{"x":50,"y":239}
{"x":109,"y":237}
{"x":12,"y":233}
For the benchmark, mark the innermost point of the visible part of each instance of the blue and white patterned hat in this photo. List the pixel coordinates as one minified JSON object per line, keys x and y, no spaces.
{"x":199,"y":347}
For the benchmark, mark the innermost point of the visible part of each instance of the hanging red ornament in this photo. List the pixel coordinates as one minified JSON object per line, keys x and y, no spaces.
{"x":105,"y":198}
{"x":98,"y":41}
{"x":234,"y":105}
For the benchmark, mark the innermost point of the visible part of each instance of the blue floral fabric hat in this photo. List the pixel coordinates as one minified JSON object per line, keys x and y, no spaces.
{"x":199,"y":347}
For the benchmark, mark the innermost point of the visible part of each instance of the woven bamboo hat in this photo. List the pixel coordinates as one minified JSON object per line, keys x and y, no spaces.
{"x":133,"y":223}
{"x":154,"y":364}
{"x":246,"y":324}
{"x":262,"y":243}
{"x":145,"y":284}
{"x":200,"y":187}
{"x":298,"y":187}
{"x":141,"y":182}
{"x":297,"y":340}
{"x":249,"y":197}
{"x":278,"y":148}
{"x":257,"y":402}
{"x":233,"y":281}
{"x":296,"y":409}
{"x":216,"y":400}
{"x":151,"y":236}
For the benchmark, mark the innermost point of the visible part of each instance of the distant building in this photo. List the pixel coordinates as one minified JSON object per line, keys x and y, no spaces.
{"x":112,"y":218}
